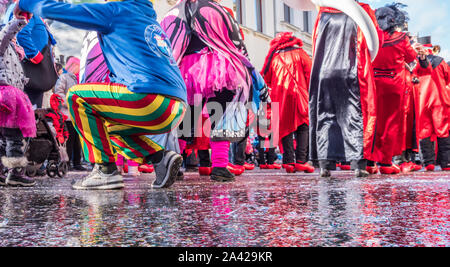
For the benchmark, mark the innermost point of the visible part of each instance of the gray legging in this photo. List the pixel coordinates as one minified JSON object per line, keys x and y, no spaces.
{"x":11,"y":143}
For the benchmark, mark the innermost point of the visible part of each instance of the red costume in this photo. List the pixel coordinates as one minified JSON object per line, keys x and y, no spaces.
{"x":410,"y":140}
{"x":391,"y":83}
{"x":432,"y":100}
{"x":287,"y":72}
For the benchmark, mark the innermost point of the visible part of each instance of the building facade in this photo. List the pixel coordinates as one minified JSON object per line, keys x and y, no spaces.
{"x":260,"y":20}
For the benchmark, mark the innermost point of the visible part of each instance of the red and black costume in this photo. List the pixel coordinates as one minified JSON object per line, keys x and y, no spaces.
{"x":391,"y":82}
{"x":287,"y":71}
{"x":410,"y":140}
{"x":342,"y":92}
{"x":433,"y":108}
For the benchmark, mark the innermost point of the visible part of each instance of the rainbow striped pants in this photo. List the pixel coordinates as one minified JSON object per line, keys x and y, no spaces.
{"x":111,"y":119}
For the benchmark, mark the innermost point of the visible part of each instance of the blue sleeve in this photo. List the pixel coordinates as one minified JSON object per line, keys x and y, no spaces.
{"x":258,"y":83}
{"x":24,"y":38}
{"x":90,"y":17}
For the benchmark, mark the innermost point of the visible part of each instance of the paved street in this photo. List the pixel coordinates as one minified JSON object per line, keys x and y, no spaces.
{"x":259,"y":209}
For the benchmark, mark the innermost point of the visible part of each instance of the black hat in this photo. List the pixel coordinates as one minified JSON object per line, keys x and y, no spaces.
{"x":424,"y":40}
{"x":391,"y":16}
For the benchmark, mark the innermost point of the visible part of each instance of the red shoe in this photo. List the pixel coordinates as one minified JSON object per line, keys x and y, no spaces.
{"x":290,"y":168}
{"x":204,"y":171}
{"x":416,"y":167}
{"x":125,"y":168}
{"x":345,"y":167}
{"x":235,"y":169}
{"x":430,"y":168}
{"x":304,"y":167}
{"x":276,"y":166}
{"x":263,"y":166}
{"x":390,"y":170}
{"x":239,"y":168}
{"x":407,"y":167}
{"x":270,"y":167}
{"x":249,"y":167}
{"x":446,"y":169}
{"x":146,"y":168}
{"x":372,"y":169}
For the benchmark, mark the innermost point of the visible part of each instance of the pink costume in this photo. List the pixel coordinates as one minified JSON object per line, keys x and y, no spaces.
{"x":207,"y":44}
{"x":15,"y":107}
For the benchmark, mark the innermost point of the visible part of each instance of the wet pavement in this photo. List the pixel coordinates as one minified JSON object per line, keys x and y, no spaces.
{"x":260,"y":209}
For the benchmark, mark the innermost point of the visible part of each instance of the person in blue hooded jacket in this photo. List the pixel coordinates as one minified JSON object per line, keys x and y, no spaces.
{"x":146,"y":95}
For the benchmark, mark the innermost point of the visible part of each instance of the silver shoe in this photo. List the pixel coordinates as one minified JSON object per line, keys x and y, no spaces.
{"x":361,"y":173}
{"x":167,"y":170}
{"x":98,"y":180}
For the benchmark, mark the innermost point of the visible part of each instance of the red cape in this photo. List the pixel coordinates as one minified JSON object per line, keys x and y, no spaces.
{"x":390,"y":79}
{"x":287,"y":72}
{"x":431,"y":102}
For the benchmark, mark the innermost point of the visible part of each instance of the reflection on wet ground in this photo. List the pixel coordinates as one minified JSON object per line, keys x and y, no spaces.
{"x":260,"y":209}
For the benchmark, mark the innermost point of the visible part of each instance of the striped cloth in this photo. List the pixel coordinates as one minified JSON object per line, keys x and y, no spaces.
{"x":111,"y":119}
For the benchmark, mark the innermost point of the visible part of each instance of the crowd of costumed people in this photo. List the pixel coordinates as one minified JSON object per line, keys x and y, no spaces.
{"x":148,"y":96}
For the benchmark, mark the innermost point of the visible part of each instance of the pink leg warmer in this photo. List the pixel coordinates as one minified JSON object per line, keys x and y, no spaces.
{"x":132,"y":163}
{"x":119,"y":161}
{"x":219,"y":153}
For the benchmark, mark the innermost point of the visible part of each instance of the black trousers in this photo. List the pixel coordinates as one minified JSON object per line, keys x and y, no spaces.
{"x":204,"y":158}
{"x":238,"y":150}
{"x":73,"y":145}
{"x":300,"y":153}
{"x":36,"y":98}
{"x":429,"y":152}
{"x":265,"y":157}
{"x":444,"y":152}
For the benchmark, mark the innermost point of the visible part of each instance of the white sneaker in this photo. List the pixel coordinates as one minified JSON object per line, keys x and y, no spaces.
{"x":98,"y":180}
{"x":133,"y":171}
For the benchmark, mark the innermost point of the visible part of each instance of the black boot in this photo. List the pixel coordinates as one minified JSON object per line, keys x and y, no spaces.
{"x":222,"y":175}
{"x":325,"y":173}
{"x":16,"y":177}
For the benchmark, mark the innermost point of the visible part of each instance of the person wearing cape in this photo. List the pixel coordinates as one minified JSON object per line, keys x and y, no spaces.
{"x":342,"y":96}
{"x":409,"y":159}
{"x":207,"y":44}
{"x":433,"y":110}
{"x":146,"y":95}
{"x":287,"y":71}
{"x":391,"y":83}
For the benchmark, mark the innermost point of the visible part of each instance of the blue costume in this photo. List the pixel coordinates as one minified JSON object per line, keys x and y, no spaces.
{"x":142,"y":61}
